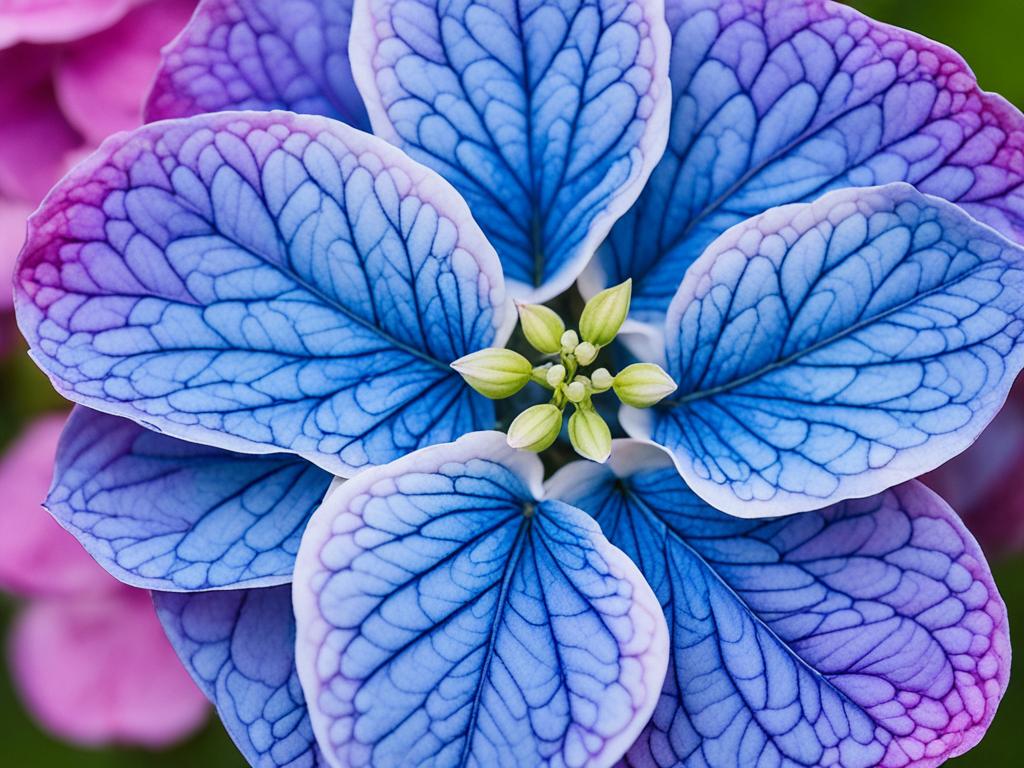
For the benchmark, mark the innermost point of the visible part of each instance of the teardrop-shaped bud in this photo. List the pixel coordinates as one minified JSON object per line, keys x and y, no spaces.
{"x":555,"y":375}
{"x":641,"y":385}
{"x":576,"y":391}
{"x":585,"y":353}
{"x":590,"y":435}
{"x":542,"y":327}
{"x":540,"y":375}
{"x":494,"y":372}
{"x":536,"y":428}
{"x":604,"y":314}
{"x":601,"y":380}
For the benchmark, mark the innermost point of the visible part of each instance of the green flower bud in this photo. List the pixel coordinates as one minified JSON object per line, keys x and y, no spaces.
{"x":569,"y":341}
{"x":585,"y":353}
{"x":540,"y":375}
{"x":535,"y":429}
{"x":590,"y":435}
{"x":542,"y":327}
{"x":555,"y":375}
{"x":643,"y":384}
{"x":576,"y":392}
{"x":604,"y":314}
{"x":601,"y":380}
{"x":493,"y":372}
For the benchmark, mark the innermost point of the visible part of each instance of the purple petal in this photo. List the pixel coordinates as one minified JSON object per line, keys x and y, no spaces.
{"x":831,"y":350}
{"x":866,"y":634}
{"x":447,"y":616}
{"x":239,"y":647}
{"x":164,"y":514}
{"x":263,"y":282}
{"x":261,"y":55}
{"x":548,"y":117}
{"x":779,"y":101}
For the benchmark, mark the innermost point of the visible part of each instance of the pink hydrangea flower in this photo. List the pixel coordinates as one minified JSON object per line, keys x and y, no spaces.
{"x":83,"y":70}
{"x":88,"y":655}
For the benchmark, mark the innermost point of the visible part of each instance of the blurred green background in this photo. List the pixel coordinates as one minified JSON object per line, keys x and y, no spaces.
{"x":986,"y":32}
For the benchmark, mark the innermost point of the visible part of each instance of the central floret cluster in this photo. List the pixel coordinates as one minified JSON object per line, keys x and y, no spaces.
{"x":500,"y":373}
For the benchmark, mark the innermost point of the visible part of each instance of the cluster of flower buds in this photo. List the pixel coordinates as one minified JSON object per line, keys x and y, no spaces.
{"x":500,"y":373}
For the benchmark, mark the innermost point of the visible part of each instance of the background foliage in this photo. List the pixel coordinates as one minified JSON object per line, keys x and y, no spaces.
{"x":986,"y":32}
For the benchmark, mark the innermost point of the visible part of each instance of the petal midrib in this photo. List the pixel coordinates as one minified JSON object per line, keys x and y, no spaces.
{"x":702,"y":394}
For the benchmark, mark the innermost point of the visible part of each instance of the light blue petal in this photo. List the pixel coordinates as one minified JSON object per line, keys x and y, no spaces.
{"x":547,"y":116}
{"x":260,"y":55}
{"x":447,"y":616}
{"x":263,"y":282}
{"x":160,"y":513}
{"x":866,"y":634}
{"x":832,"y":350}
{"x":239,"y":647}
{"x":779,"y":101}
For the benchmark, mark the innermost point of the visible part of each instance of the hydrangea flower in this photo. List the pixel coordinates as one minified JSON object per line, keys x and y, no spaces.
{"x":88,"y":656}
{"x":805,"y":225}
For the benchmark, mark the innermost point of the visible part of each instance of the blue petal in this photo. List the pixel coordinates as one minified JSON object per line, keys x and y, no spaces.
{"x":239,"y":647}
{"x":263,"y":282}
{"x":160,"y":513}
{"x":547,"y":116}
{"x":832,"y":350}
{"x":448,"y":617}
{"x":866,"y":634}
{"x":260,"y":55}
{"x":779,"y":101}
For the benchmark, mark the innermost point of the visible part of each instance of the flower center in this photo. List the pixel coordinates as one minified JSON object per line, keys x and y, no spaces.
{"x":500,"y":373}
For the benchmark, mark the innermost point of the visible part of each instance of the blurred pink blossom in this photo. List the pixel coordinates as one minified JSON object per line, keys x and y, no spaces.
{"x":89,"y":657}
{"x":81,"y":69}
{"x":57,"y":21}
{"x":37,"y":558}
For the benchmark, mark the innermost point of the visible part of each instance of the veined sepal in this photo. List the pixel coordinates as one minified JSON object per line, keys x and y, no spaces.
{"x":440,"y":603}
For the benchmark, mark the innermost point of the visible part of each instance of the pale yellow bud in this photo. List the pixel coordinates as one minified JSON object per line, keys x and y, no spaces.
{"x":605,"y":313}
{"x":601,"y":380}
{"x":555,"y":375}
{"x":493,"y":372}
{"x":641,"y":385}
{"x":542,"y":327}
{"x":585,"y":353}
{"x":576,"y":392}
{"x":536,"y":428}
{"x":590,"y":435}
